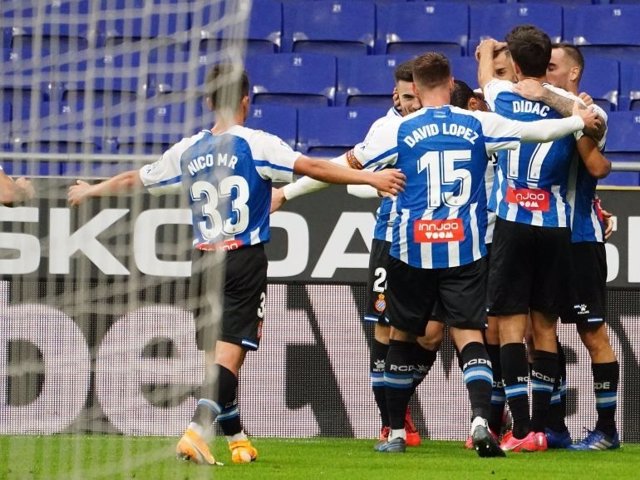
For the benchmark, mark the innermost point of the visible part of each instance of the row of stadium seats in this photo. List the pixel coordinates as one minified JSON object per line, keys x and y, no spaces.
{"x":353,"y":27}
{"x":304,"y":129}
{"x":295,"y":79}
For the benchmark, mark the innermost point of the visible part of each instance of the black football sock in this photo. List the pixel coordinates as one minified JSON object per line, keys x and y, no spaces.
{"x":478,"y":376}
{"x":398,"y":380}
{"x":423,"y":360}
{"x":558,"y":404}
{"x":497,"y":390}
{"x":515,"y":375}
{"x":378,"y":357}
{"x":605,"y":382}
{"x":543,"y":378}
{"x":229,"y":418}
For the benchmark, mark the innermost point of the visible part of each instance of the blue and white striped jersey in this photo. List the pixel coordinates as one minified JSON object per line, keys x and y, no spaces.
{"x":531,"y":181}
{"x":227,"y":178}
{"x":587,"y":223}
{"x":386,"y":213}
{"x":442,"y":218}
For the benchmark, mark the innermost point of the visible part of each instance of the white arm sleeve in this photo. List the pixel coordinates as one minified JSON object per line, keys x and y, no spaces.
{"x":165,"y":174}
{"x":547,"y":130}
{"x":362,"y":191}
{"x":504,"y":134}
{"x":306,"y":185}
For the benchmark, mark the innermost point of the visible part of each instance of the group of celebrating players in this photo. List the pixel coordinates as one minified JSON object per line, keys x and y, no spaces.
{"x":488,"y":223}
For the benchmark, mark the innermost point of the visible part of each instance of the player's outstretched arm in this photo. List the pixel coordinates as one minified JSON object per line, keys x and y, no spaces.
{"x":533,"y":90}
{"x":542,"y":131}
{"x":388,"y":180}
{"x":120,"y":184}
{"x":484,"y":56}
{"x":362,"y":191}
{"x":15,"y":191}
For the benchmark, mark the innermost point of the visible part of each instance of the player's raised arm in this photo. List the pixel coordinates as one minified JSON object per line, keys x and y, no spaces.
{"x":534,"y":90}
{"x":388,"y":180}
{"x":123,"y":183}
{"x":503,"y":133}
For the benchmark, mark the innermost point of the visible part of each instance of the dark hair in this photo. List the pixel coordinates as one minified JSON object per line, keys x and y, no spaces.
{"x":461,"y":94}
{"x":500,"y":50}
{"x":226,"y":85}
{"x":431,"y":69}
{"x":530,"y":48}
{"x":574,"y":53}
{"x":404,"y":72}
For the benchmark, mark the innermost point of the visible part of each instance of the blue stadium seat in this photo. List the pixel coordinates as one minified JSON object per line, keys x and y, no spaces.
{"x":5,"y":126}
{"x":157,"y":27}
{"x":177,"y":80}
{"x":465,"y":69}
{"x":623,"y":136}
{"x":606,"y":29}
{"x":105,"y":91}
{"x":357,"y":87}
{"x":495,"y":21}
{"x":621,"y":179}
{"x":335,"y":27}
{"x":57,"y":38}
{"x":296,"y":79}
{"x":264,"y":31}
{"x":332,"y":131}
{"x":413,"y":28}
{"x":279,"y":120}
{"x":562,"y":3}
{"x":629,"y":85}
{"x":603,"y":88}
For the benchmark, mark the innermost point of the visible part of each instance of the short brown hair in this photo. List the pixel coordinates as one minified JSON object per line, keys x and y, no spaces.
{"x":431,"y":70}
{"x":461,"y":94}
{"x":404,"y":72}
{"x":226,"y":85}
{"x":574,"y":53}
{"x":530,"y":48}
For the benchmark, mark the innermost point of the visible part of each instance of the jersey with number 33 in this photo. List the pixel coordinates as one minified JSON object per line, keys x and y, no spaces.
{"x":227,"y":178}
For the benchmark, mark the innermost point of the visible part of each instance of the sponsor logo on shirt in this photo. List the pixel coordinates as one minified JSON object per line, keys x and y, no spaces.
{"x":438,"y":231}
{"x":532,"y":199}
{"x":227,"y":245}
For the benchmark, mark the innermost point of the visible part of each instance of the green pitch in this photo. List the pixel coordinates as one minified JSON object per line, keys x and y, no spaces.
{"x":114,"y":457}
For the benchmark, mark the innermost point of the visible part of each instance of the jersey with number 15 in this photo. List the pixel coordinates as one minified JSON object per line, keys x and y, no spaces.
{"x":227,"y":178}
{"x":444,"y":152}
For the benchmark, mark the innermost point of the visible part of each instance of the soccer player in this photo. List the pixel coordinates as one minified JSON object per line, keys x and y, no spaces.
{"x":235,"y":163}
{"x":529,"y":264}
{"x":437,"y":250}
{"x":14,"y":191}
{"x":405,"y":102}
{"x":589,"y":273}
{"x":463,"y":97}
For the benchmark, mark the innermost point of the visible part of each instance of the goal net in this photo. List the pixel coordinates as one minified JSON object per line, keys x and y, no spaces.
{"x":96,"y":330}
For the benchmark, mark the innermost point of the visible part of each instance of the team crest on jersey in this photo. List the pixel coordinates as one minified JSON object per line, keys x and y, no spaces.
{"x":532,"y":199}
{"x":380,"y":304}
{"x":438,"y":231}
